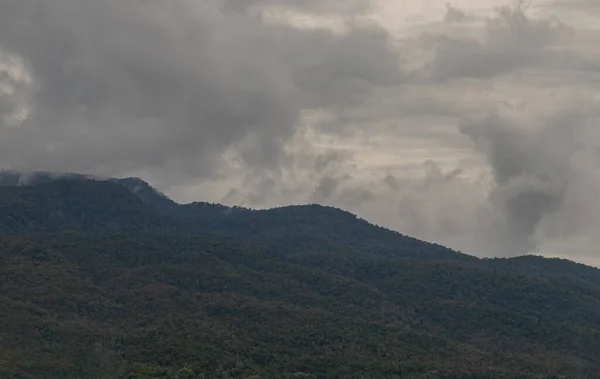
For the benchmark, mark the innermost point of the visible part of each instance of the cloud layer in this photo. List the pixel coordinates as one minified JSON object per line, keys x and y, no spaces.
{"x":126,"y":85}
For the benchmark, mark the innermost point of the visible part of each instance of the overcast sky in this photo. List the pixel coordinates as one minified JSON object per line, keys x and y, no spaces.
{"x":473,"y":124}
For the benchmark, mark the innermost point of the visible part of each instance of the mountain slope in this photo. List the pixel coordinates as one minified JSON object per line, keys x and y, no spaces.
{"x":555,"y":268}
{"x":95,"y":305}
{"x":67,"y":204}
{"x":109,"y":278}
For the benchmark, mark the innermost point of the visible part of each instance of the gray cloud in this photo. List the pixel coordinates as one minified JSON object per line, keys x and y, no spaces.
{"x":133,"y":85}
{"x":455,"y":14}
{"x":533,"y":168}
{"x":511,"y":40}
{"x":335,"y":7}
{"x":343,"y":70}
{"x":327,"y":187}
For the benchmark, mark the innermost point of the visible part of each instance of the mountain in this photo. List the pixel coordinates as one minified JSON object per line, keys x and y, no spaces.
{"x":78,"y":202}
{"x":556,"y":268}
{"x":108,"y":278}
{"x":29,"y":178}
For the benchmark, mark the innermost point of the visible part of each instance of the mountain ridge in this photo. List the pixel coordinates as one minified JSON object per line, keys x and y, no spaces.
{"x":162,"y":205}
{"x":109,"y":278}
{"x":215,"y":218}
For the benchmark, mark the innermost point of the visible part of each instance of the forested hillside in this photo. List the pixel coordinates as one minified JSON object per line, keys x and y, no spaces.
{"x":111,"y":279}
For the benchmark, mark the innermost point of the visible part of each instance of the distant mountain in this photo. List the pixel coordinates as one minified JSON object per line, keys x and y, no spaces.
{"x":148,"y":194}
{"x":76,"y":202}
{"x":109,"y":278}
{"x":29,"y":178}
{"x":548,"y":267}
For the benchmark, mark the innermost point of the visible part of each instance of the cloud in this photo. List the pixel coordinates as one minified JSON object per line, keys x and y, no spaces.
{"x":335,"y":7}
{"x":14,"y":91}
{"x":535,"y":167}
{"x":455,"y":14}
{"x":134,"y":85}
{"x":510,"y":41}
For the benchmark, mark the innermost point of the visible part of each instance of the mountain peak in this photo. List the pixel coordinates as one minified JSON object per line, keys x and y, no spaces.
{"x":137,"y":186}
{"x":31,"y":178}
